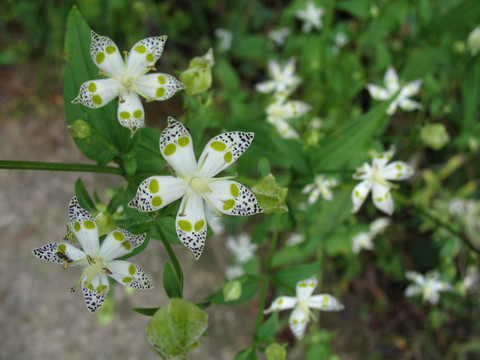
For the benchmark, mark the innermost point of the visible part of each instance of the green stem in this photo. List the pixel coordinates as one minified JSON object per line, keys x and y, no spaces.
{"x":50,"y":166}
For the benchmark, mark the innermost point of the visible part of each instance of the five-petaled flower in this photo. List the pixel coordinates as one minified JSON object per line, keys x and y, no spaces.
{"x":392,"y":87}
{"x":376,"y":178}
{"x":321,"y":186}
{"x":280,"y":110}
{"x":98,"y":260}
{"x":311,"y":17}
{"x":284,"y":81}
{"x":364,"y":240}
{"x":127,"y":80}
{"x":429,"y":286}
{"x":302,"y":303}
{"x":195,"y":181}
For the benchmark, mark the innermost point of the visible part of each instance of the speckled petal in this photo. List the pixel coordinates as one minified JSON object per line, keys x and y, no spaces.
{"x":359,"y":194}
{"x":130,"y":111}
{"x":191,"y":224}
{"x":222,"y":151}
{"x":177,"y":148}
{"x":382,"y":199}
{"x":97,"y":93}
{"x":84,"y":227}
{"x":94,"y":293}
{"x":298,"y":322}
{"x":324,"y":302}
{"x":129,"y":274}
{"x":118,"y":243}
{"x":157,"y":86}
{"x":106,"y":56}
{"x":281,"y":303}
{"x":232,"y":198}
{"x":305,"y":287}
{"x":144,"y":54}
{"x":60,"y":253}
{"x":397,"y":170}
{"x":156,"y":192}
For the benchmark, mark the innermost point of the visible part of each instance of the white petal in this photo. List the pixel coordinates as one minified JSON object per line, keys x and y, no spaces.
{"x":222,"y":151}
{"x":281,"y":303}
{"x":324,"y":302}
{"x":378,"y":93}
{"x":94,"y":293}
{"x":118,"y":243}
{"x":413,"y":290}
{"x":84,"y":227}
{"x":391,"y":80}
{"x":265,"y":87}
{"x":177,"y":148}
{"x":157,"y":86}
{"x":97,"y":93}
{"x":129,"y":274}
{"x":106,"y":56}
{"x":415,"y":277}
{"x":363,"y":172}
{"x":359,"y":194}
{"x":298,"y":322}
{"x":392,"y":107}
{"x":274,"y":69}
{"x":381,"y":159}
{"x":130,"y":111}
{"x":285,"y":129}
{"x":382,"y":199}
{"x":294,"y":109}
{"x":156,"y":192}
{"x":60,"y":253}
{"x":409,"y":105}
{"x":432,"y":297}
{"x":410,"y":89}
{"x":305,"y":288}
{"x":232,"y":198}
{"x":191,"y":224}
{"x":144,"y":54}
{"x":397,"y":170}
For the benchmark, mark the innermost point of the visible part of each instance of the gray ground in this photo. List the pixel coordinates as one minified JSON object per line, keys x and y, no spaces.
{"x":39,"y":317}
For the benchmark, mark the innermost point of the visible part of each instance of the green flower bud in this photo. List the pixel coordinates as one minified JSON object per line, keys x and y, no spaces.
{"x":80,"y":129}
{"x":270,"y":195}
{"x":232,"y":290}
{"x":198,"y":76}
{"x":275,"y":351}
{"x":105,"y":221}
{"x":434,"y":135}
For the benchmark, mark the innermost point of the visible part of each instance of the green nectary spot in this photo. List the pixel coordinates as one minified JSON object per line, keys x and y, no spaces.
{"x":127,"y":280}
{"x":61,"y":248}
{"x":137,"y":114}
{"x":140,"y":49}
{"x":153,"y":186}
{"x":97,"y":99}
{"x":157,"y":201}
{"x":160,"y":92}
{"x":183,"y":141}
{"x":185,"y":225}
{"x":199,"y":225}
{"x":100,"y":57}
{"x":110,"y":49}
{"x":89,"y":286}
{"x":228,"y":157}
{"x":170,"y":149}
{"x":131,"y":270}
{"x":302,"y":285}
{"x":89,"y":224}
{"x":161,"y":79}
{"x":234,"y":190}
{"x":228,"y":204}
{"x":76,"y":226}
{"x":126,"y":245}
{"x":92,"y":87}
{"x":149,"y":57}
{"x":118,"y":236}
{"x":125,"y":115}
{"x":218,"y":145}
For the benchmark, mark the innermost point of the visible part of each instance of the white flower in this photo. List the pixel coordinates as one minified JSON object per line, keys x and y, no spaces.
{"x":473,"y":41}
{"x":280,"y":110}
{"x":378,"y":226}
{"x":302,"y":303}
{"x":294,"y":239}
{"x":362,"y":241}
{"x":320,"y":186}
{"x":376,"y":178}
{"x":278,"y":36}
{"x":311,"y":17}
{"x":98,"y":260}
{"x":341,"y":39}
{"x":241,"y":248}
{"x":224,"y":39}
{"x":429,"y":286}
{"x":392,"y":86}
{"x":284,"y":81}
{"x":234,"y":271}
{"x":127,"y":80}
{"x":194,"y":182}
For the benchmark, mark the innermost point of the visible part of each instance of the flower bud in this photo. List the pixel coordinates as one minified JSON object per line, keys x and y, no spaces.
{"x":232,"y":290}
{"x":275,"y":351}
{"x":198,"y":76}
{"x":80,"y":129}
{"x":473,"y":41}
{"x":434,"y":135}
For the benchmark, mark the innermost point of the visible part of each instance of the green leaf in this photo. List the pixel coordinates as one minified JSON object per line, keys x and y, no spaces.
{"x":470,"y":96}
{"x":247,"y":354}
{"x":226,"y":74}
{"x":146,"y":311}
{"x":83,"y":197}
{"x":266,"y":332}
{"x":171,"y":283}
{"x":116,"y":201}
{"x":358,"y":8}
{"x":290,"y":276}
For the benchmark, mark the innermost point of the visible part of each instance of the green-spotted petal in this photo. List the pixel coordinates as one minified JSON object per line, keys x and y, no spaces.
{"x":281,"y":303}
{"x":191,"y":224}
{"x":305,"y":288}
{"x":97,"y":93}
{"x":359,"y":194}
{"x":381,"y":159}
{"x":397,"y":170}
{"x":232,"y":198}
{"x":144,"y":54}
{"x":222,"y":151}
{"x":129,"y":274}
{"x":157,"y":86}
{"x":60,"y":253}
{"x":130,"y":111}
{"x":118,"y":243}
{"x":84,"y":227}
{"x":324,"y":302}
{"x":298,"y":322}
{"x":106,"y":56}
{"x":95,"y":293}
{"x":382,"y":198}
{"x":378,"y":93}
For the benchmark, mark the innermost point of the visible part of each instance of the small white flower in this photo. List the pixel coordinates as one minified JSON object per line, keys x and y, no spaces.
{"x":378,"y":226}
{"x":376,"y":178}
{"x":311,"y":17}
{"x":278,"y":36}
{"x":284,"y":81}
{"x":280,"y":110}
{"x":429,"y":286}
{"x":194,"y":182}
{"x":127,"y":80}
{"x":302,"y":303}
{"x":241,"y":247}
{"x":473,"y":41}
{"x":294,"y":239}
{"x":362,"y":241}
{"x":224,"y":39}
{"x":392,"y":86}
{"x":98,"y":260}
{"x":341,"y":39}
{"x":233,"y":272}
{"x":320,"y":186}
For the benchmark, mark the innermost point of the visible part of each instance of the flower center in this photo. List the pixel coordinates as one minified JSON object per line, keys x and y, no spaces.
{"x":127,"y":81}
{"x":200,"y":185}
